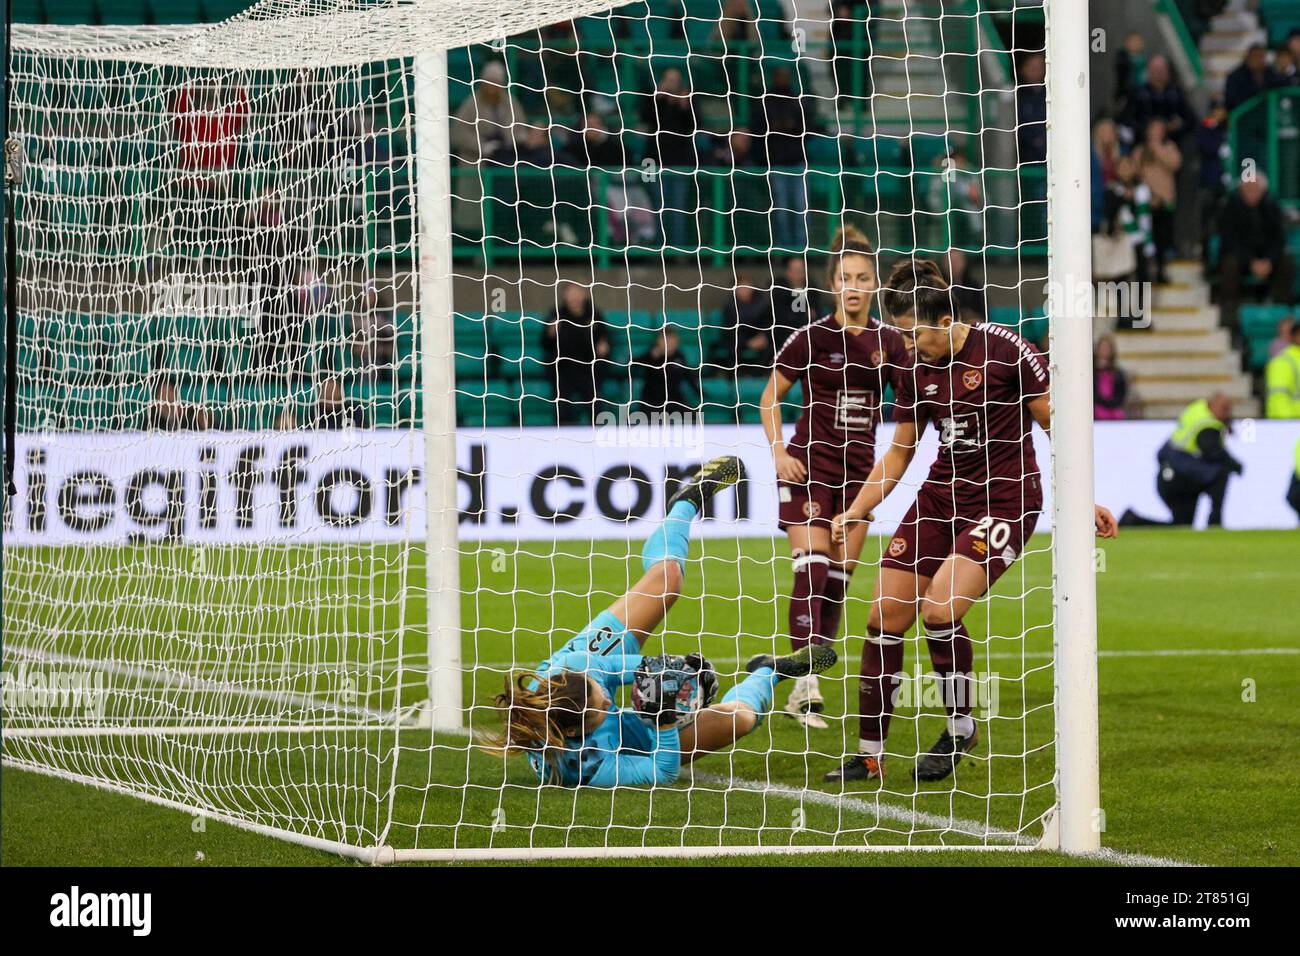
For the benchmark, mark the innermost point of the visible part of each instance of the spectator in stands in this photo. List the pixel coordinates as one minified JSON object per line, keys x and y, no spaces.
{"x":669,"y":385}
{"x":966,"y":284}
{"x":1123,"y":250}
{"x":1283,"y":338}
{"x":576,"y":343}
{"x":958,"y":196}
{"x":1158,"y":160}
{"x":783,"y":120}
{"x":745,"y":342}
{"x":737,"y":151}
{"x":489,"y":124}
{"x":626,"y":203}
{"x":1110,"y":391}
{"x":373,"y":148}
{"x":535,"y":147}
{"x":1108,"y":162}
{"x":849,"y":34}
{"x":209,"y":118}
{"x":1252,"y":77}
{"x":167,"y":413}
{"x":334,"y":411}
{"x":1252,"y":248}
{"x":1130,"y":68}
{"x":598,"y":146}
{"x":1285,"y":66}
{"x":1031,"y":109}
{"x":1194,"y":462}
{"x":374,"y":329}
{"x":794,"y":304}
{"x":669,"y":118}
{"x":1159,"y":98}
{"x":737,"y":36}
{"x":1282,"y":380}
{"x":1212,"y":145}
{"x":737,"y":26}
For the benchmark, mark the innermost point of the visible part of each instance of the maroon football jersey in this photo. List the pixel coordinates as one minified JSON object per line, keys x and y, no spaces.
{"x":843,"y":376}
{"x":980,"y":404}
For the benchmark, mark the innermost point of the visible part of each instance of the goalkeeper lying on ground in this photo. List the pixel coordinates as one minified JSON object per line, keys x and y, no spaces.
{"x":563,"y":718}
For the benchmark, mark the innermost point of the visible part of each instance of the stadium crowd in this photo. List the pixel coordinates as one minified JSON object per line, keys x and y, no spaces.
{"x":1150,"y":149}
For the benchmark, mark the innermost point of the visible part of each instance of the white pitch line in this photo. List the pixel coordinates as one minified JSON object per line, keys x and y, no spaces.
{"x":1124,"y":858}
{"x":888,"y":811}
{"x":882,"y":811}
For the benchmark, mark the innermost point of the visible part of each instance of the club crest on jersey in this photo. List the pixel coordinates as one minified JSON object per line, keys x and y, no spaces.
{"x":972,"y":379}
{"x":811,"y":509}
{"x":897,"y":547}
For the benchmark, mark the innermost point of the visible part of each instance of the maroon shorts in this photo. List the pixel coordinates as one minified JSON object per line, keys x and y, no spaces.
{"x":990,"y":533}
{"x":814,"y":503}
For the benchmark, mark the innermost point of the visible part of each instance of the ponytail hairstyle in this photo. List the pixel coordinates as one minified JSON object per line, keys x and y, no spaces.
{"x":539,"y":714}
{"x":917,"y":286}
{"x":849,"y":241}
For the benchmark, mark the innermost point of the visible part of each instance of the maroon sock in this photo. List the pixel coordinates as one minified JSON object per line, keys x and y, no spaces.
{"x":809,"y":579}
{"x":953,"y":655}
{"x":832,"y":604}
{"x":882,"y":664}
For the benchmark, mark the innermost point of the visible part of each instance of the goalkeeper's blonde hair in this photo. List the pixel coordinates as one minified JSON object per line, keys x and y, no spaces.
{"x":539,"y":715}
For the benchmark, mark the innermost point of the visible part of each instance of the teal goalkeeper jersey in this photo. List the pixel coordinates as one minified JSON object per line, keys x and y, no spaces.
{"x":623,"y":751}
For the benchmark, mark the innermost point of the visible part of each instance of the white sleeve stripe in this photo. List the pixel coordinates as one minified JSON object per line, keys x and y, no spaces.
{"x":794,"y":335}
{"x":1026,"y":352}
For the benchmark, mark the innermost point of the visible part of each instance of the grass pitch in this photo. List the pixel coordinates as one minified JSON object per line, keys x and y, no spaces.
{"x":1200,"y":668}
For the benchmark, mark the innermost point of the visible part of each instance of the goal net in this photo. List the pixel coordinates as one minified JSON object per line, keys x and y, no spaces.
{"x":305,"y":471}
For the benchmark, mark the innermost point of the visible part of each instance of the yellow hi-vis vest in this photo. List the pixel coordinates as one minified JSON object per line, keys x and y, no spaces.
{"x":1282,"y":384}
{"x":1195,"y":418}
{"x":1297,"y":458}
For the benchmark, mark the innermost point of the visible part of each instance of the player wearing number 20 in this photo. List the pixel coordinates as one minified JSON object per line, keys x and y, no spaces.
{"x":843,"y":363}
{"x":983,"y":387}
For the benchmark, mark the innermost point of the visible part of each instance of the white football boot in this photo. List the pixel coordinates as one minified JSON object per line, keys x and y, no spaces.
{"x":805,"y":703}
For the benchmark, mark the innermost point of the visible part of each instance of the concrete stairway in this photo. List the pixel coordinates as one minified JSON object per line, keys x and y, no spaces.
{"x":1224,"y":44}
{"x":1185,"y":355}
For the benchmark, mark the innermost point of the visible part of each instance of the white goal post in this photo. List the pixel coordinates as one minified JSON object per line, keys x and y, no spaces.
{"x":296,"y":485}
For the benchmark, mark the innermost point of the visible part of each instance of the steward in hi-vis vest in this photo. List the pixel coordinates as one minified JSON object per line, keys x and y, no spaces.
{"x":1194,"y":462}
{"x":1282,"y":380}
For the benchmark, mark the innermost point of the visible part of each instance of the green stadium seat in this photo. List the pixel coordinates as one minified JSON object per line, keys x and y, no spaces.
{"x":537,"y":404}
{"x":29,"y":11}
{"x":70,"y":12}
{"x":515,"y":341}
{"x":39,"y":408}
{"x":749,"y":393}
{"x":494,"y":403}
{"x":473,"y":356}
{"x":124,"y":12}
{"x":217,"y":10}
{"x":1262,"y":320}
{"x":177,"y":11}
